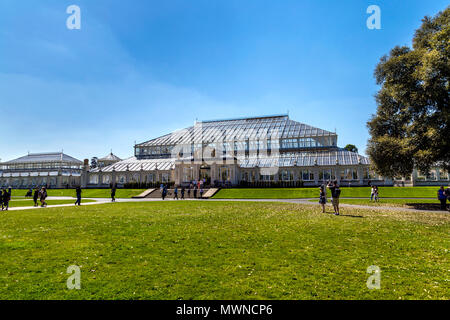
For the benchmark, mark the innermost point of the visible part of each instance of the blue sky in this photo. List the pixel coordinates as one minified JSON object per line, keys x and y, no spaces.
{"x":140,"y":69}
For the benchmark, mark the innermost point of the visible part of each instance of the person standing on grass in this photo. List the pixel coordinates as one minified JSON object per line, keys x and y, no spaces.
{"x":113,"y":194}
{"x":322,"y":197}
{"x":372,"y":193}
{"x":6,"y":197}
{"x":189,"y":191}
{"x":376,"y":193}
{"x":175,"y":193}
{"x":36,"y":196}
{"x":447,"y":193}
{"x":1,"y":199}
{"x":182,"y":193}
{"x":335,"y":194}
{"x":442,"y":198}
{"x":201,"y":192}
{"x":43,"y":196}
{"x":78,"y":192}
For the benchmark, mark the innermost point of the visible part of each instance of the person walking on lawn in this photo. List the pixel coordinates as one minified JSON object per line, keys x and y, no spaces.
{"x":36,"y":196}
{"x":376,"y":194}
{"x":43,"y":196}
{"x":6,"y":196}
{"x":113,"y":194}
{"x":182,"y":193}
{"x":442,"y":198}
{"x":164,"y":192}
{"x":175,"y":193}
{"x":78,"y":192}
{"x":372,"y":193}
{"x":322,"y":197}
{"x":335,"y":194}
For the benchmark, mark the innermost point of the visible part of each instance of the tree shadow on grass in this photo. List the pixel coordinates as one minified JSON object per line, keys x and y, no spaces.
{"x":425,"y":206}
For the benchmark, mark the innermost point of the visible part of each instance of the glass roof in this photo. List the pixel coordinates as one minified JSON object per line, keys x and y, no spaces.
{"x":238,"y":130}
{"x":45,"y":157}
{"x":299,"y":159}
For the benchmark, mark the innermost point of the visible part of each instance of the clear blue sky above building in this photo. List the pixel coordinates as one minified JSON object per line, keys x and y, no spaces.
{"x":140,"y":69}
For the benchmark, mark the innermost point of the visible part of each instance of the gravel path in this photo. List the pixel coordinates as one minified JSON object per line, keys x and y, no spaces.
{"x":299,"y":201}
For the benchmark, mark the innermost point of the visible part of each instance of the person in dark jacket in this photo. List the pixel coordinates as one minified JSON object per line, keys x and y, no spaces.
{"x":442,"y":198}
{"x":43,"y":196}
{"x":195,"y":191}
{"x":1,"y":199}
{"x":182,"y":193}
{"x":335,"y":194}
{"x":36,"y":196}
{"x":6,"y":196}
{"x":164,"y":192}
{"x":78,"y":191}
{"x":113,"y":194}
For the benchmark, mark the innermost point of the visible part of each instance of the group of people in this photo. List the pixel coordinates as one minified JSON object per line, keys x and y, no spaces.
{"x":41,"y":195}
{"x":335,"y":194}
{"x":195,"y":186}
{"x":5,"y":197}
{"x":374,"y":193}
{"x":78,"y":191}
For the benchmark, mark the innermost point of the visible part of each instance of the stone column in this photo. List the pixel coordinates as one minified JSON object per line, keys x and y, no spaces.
{"x":338,"y":173}
{"x":360,"y":173}
{"x":59,"y":179}
{"x":316,"y":175}
{"x":113,"y":177}
{"x":100,"y":178}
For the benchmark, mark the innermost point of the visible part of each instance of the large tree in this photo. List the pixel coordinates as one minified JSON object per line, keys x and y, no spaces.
{"x":411,"y":127}
{"x":351,"y":147}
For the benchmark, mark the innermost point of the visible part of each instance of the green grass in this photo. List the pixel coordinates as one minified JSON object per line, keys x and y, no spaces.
{"x":222,"y":250}
{"x":349,"y":192}
{"x":386,"y":202}
{"x":29,"y":203}
{"x":86,"y":193}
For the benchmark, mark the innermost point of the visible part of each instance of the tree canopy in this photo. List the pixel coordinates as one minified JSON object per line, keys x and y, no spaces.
{"x":351,"y":147}
{"x":411,"y":127}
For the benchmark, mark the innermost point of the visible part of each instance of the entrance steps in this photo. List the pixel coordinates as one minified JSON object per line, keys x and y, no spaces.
{"x":210,"y":193}
{"x":207,"y":193}
{"x":144,"y":194}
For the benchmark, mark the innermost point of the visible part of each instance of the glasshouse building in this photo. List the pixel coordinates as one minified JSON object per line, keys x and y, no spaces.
{"x":258,"y":151}
{"x":56,"y":169}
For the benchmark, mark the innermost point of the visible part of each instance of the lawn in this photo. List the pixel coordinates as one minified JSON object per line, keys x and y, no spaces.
{"x":222,"y":250}
{"x":29,"y":203}
{"x":347,"y":192}
{"x":86,"y":193}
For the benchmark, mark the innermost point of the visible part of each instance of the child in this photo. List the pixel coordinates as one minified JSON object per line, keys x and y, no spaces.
{"x":322,"y":197}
